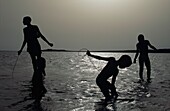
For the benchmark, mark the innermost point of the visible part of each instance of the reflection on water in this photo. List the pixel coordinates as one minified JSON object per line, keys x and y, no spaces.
{"x":70,"y":82}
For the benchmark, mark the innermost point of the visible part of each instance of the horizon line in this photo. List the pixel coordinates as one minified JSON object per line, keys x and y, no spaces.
{"x":164,"y":50}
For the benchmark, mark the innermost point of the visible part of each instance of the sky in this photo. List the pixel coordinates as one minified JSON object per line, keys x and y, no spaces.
{"x":92,"y":24}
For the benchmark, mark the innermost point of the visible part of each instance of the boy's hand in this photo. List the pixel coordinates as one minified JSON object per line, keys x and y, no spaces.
{"x":88,"y":53}
{"x":51,"y":44}
{"x":156,"y":49}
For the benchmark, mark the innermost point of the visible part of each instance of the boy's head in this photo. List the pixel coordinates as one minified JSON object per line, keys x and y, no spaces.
{"x":41,"y":63}
{"x":26,"y":20}
{"x":125,"y":61}
{"x":140,"y":37}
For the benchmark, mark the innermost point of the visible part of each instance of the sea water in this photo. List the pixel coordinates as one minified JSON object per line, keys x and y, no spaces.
{"x":70,"y":82}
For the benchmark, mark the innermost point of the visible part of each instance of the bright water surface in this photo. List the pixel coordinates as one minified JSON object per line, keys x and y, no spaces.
{"x":70,"y":82}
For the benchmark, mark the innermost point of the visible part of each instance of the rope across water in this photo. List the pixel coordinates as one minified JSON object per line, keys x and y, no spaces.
{"x":14,"y":66}
{"x":85,"y":50}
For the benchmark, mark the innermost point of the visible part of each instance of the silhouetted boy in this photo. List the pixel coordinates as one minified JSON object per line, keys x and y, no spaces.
{"x":31,"y":35}
{"x":38,"y":85}
{"x":142,"y":48}
{"x":110,"y":70}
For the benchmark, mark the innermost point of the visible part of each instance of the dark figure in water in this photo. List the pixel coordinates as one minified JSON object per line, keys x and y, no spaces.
{"x":39,"y":89}
{"x":142,"y":48}
{"x":110,"y":70}
{"x":31,"y":35}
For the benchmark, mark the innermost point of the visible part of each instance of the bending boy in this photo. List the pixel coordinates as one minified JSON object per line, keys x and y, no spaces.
{"x":110,"y":70}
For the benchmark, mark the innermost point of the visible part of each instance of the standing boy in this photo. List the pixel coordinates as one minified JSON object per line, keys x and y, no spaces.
{"x":31,"y":35}
{"x":142,"y":48}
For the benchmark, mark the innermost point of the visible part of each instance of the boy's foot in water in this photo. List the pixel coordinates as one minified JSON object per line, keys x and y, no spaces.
{"x":149,"y":81}
{"x":140,"y":81}
{"x":114,"y":97}
{"x":107,"y":100}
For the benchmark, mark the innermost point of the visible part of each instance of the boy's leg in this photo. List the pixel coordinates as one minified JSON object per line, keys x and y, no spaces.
{"x":141,"y":65}
{"x":33,"y":58}
{"x":105,"y":92}
{"x":113,"y":91}
{"x":44,"y":89}
{"x":148,"y":67}
{"x":104,"y":87}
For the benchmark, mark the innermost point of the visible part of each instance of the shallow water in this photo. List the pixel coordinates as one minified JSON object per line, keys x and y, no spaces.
{"x":70,"y":82}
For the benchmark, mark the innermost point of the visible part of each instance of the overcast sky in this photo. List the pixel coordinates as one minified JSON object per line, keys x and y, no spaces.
{"x":94,"y":24}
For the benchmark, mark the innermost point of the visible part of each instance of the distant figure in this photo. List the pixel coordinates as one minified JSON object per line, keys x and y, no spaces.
{"x":110,"y":70}
{"x":39,"y":89}
{"x":31,"y":35}
{"x":142,"y":48}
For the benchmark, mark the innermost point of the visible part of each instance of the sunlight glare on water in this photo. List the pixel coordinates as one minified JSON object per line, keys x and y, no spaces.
{"x":71,"y":82}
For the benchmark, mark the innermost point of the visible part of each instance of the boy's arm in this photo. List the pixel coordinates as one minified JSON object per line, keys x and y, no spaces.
{"x":97,"y":57}
{"x":136,"y":55}
{"x":43,"y":37}
{"x":23,"y":45}
{"x":151,"y":46}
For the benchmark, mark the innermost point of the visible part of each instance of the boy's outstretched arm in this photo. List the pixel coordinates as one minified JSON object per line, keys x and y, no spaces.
{"x":50,"y":44}
{"x":97,"y":57}
{"x":43,"y":37}
{"x":151,"y":46}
